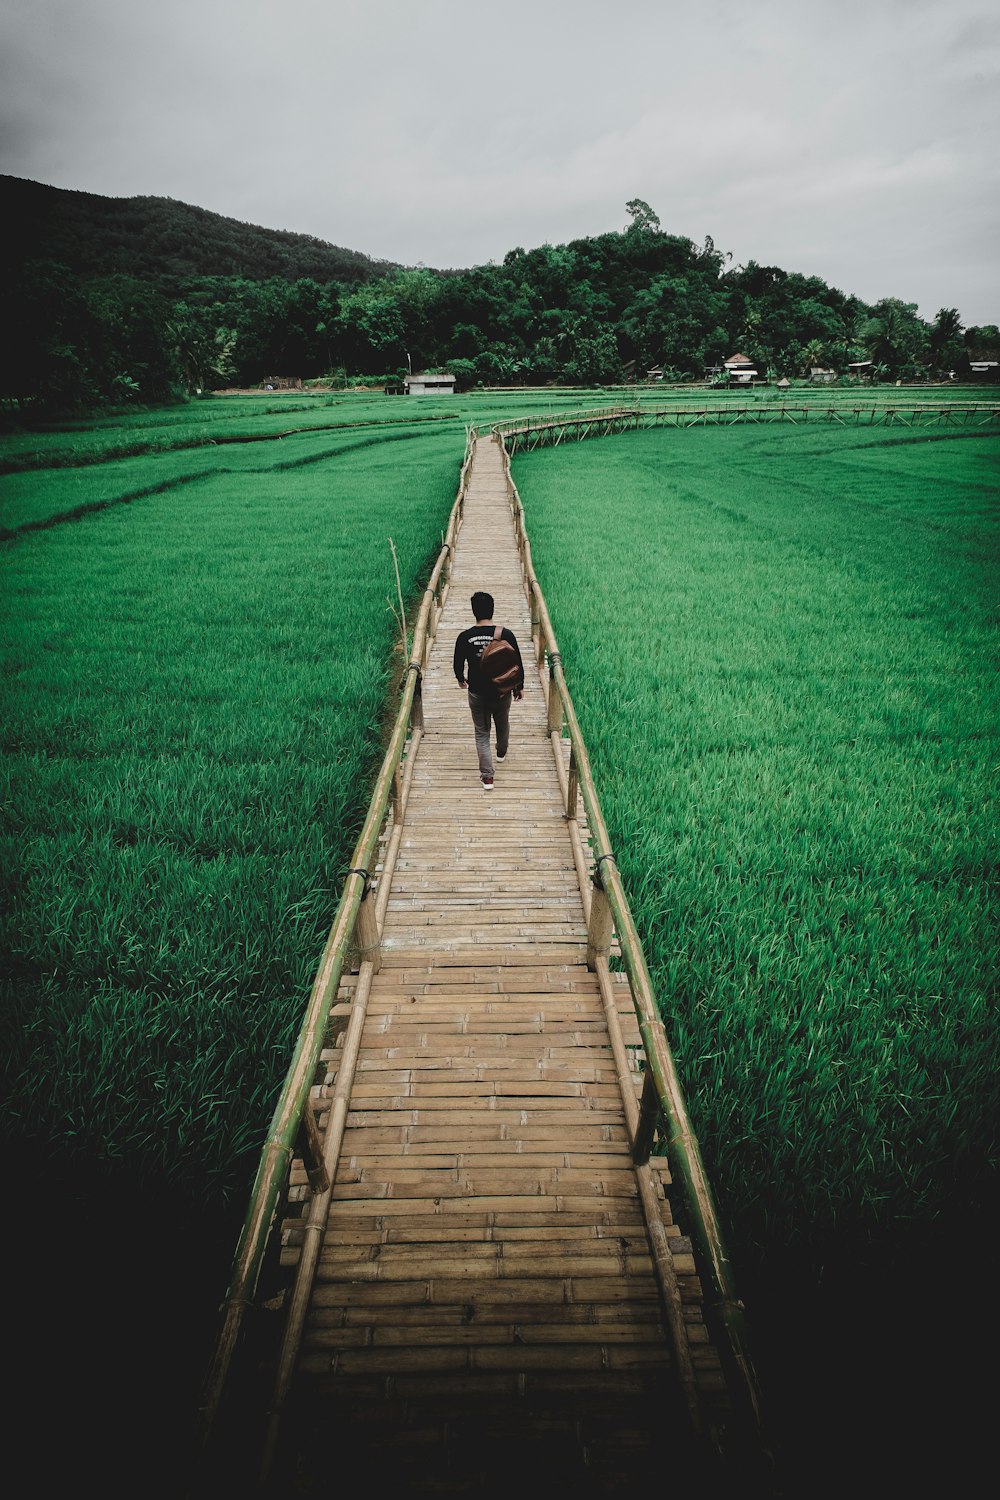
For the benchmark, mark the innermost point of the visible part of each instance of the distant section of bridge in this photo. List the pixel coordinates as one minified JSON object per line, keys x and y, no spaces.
{"x":541,"y":431}
{"x":480,"y":1282}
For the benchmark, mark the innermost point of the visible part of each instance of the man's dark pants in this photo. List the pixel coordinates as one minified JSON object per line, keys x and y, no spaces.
{"x":483,"y":711}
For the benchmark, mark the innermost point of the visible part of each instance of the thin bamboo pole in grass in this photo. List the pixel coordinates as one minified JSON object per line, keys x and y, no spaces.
{"x":276,"y":1157}
{"x":682,"y":1144}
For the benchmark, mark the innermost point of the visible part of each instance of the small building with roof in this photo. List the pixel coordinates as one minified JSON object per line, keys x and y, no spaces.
{"x":740,"y":370}
{"x":429,"y":383}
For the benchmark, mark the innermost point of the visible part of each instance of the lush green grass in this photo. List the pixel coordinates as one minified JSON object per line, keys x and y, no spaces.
{"x":191,"y":697}
{"x":196,"y":424}
{"x":193,"y":693}
{"x":782,"y":646}
{"x":38,"y":498}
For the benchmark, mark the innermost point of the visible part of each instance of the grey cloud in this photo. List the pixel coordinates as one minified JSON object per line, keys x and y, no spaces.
{"x":826,"y":139}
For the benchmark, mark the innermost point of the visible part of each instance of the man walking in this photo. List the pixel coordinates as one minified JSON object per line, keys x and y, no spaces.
{"x":486,"y":702}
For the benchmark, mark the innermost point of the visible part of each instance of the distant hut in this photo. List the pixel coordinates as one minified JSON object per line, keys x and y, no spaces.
{"x":428,"y":383}
{"x":282,"y":383}
{"x":740,"y":370}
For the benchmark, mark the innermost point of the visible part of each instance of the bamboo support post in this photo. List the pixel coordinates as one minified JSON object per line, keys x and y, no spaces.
{"x":310,"y":1147}
{"x":555,"y":716}
{"x":618,"y":1050}
{"x":417,"y":706}
{"x":392,"y":848}
{"x":670,"y":1295}
{"x":600,"y":927}
{"x":572,"y":785}
{"x":649,"y":1110}
{"x":366,"y":932}
{"x":575,"y":835}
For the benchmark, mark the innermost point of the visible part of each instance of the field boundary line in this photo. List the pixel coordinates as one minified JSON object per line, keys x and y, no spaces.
{"x":193,"y":445}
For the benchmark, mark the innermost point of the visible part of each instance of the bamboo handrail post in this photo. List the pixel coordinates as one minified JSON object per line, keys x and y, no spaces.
{"x":366,"y":931}
{"x":537,"y":632}
{"x":310,"y":1147}
{"x":395,"y":838}
{"x":670,"y":1296}
{"x":572,"y":784}
{"x":555,"y":716}
{"x":649,"y":1111}
{"x":417,"y":706}
{"x":618,"y":1049}
{"x":397,"y":796}
{"x":600,"y":928}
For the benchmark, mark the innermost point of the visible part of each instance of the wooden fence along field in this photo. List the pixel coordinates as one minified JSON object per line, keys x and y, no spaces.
{"x":479,"y":1270}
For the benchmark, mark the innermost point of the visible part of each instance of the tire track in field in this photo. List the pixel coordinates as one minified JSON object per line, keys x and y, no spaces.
{"x":9,"y":534}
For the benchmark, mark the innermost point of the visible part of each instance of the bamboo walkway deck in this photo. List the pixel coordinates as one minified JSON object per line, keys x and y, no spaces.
{"x":486,"y":1309}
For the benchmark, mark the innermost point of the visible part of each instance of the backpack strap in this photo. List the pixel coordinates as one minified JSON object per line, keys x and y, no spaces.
{"x":498,"y":632}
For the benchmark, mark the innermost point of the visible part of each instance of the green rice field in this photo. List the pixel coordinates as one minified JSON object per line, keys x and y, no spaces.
{"x":782,"y":646}
{"x":193,"y":692}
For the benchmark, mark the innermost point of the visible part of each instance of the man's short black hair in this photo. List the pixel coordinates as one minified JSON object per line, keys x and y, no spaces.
{"x":482,"y":606}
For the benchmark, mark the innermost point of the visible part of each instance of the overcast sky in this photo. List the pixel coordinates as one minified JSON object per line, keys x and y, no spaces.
{"x":855,"y":140}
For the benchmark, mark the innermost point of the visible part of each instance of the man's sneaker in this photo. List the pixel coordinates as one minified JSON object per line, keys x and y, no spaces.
{"x":487,"y":783}
{"x":502,"y":757}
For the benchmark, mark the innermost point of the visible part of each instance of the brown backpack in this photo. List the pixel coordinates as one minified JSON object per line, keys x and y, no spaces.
{"x":499,"y":664}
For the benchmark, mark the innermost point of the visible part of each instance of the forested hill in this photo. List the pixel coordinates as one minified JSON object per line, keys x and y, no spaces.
{"x":158,"y":237}
{"x":109,"y":301}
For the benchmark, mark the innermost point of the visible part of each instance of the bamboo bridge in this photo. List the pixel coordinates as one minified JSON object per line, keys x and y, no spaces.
{"x":466,"y":1263}
{"x":549,"y":431}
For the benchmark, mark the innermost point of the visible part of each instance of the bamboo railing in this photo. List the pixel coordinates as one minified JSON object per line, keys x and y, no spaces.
{"x":539,"y":431}
{"x":609,"y":916}
{"x":357,"y":922}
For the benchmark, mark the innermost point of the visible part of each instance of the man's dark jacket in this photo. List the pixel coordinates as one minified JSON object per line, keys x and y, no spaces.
{"x":469,"y":648}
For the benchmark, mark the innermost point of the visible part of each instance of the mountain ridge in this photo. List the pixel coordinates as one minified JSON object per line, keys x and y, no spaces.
{"x":147,"y":235}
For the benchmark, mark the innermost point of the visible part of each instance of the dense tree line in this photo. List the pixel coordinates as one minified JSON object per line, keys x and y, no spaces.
{"x":110,"y":300}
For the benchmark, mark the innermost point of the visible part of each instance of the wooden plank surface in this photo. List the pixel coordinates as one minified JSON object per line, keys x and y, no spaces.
{"x":485,"y":1237}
